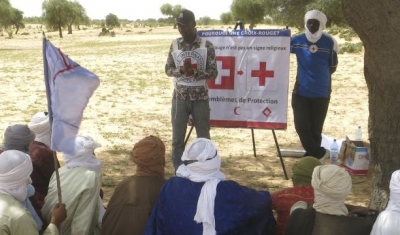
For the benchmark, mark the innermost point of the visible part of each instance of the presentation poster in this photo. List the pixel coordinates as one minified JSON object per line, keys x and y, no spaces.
{"x":251,"y":90}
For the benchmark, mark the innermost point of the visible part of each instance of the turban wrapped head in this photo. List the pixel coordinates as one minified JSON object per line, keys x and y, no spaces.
{"x":83,"y":156}
{"x":317,"y":15}
{"x":202,"y":164}
{"x":40,"y":125}
{"x":331,"y":185}
{"x":149,"y":156}
{"x":15,"y":170}
{"x":18,"y":137}
{"x":303,"y":170}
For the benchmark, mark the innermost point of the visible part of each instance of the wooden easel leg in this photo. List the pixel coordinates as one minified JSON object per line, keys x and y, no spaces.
{"x":279,"y":154}
{"x":254,"y":143}
{"x":188,"y":135}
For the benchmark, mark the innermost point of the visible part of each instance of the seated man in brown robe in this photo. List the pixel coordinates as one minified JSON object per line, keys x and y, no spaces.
{"x":133,"y":199}
{"x":329,"y":215}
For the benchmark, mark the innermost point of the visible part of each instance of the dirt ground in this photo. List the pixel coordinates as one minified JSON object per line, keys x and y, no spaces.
{"x":134,"y":97}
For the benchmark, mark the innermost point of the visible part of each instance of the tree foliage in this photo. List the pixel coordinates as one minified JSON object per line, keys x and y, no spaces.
{"x":76,"y":15}
{"x":291,"y":13}
{"x":55,"y":14}
{"x":58,"y":14}
{"x":6,"y":11}
{"x":33,"y":20}
{"x":205,"y":20}
{"x":16,"y":20}
{"x":250,"y":11}
{"x":226,"y":18}
{"x":171,"y":11}
{"x":112,"y":20}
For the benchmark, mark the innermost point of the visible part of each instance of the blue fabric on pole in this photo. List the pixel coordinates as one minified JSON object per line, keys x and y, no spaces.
{"x":69,"y":88}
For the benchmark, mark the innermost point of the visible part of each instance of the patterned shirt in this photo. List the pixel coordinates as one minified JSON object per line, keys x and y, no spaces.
{"x":283,"y":200}
{"x":210,"y":72}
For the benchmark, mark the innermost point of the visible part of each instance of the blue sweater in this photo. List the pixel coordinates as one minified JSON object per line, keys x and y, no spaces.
{"x":238,"y":210}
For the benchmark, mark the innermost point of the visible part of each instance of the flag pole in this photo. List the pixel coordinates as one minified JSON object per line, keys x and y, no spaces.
{"x":46,"y":81}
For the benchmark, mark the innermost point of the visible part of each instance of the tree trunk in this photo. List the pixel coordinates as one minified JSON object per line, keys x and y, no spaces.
{"x":16,"y":32}
{"x":60,"y":31}
{"x":70,"y":29}
{"x":377,"y":24}
{"x":251,"y":26}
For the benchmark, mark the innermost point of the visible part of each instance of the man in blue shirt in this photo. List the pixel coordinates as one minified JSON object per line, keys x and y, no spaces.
{"x":316,"y":54}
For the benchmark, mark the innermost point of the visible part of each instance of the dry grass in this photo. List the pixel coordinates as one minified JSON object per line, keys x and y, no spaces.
{"x":134,"y":97}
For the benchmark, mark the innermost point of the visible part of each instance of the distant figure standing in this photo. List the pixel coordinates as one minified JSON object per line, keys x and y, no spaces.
{"x":191,"y":61}
{"x":316,"y":54}
{"x":240,"y":24}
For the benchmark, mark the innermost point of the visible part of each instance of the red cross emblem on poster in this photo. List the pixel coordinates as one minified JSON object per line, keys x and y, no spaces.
{"x":262,"y":73}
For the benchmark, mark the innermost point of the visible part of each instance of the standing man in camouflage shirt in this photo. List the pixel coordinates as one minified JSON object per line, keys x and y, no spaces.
{"x":191,"y":61}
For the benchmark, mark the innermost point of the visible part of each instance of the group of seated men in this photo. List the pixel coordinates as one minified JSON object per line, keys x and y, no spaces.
{"x":197,"y":200}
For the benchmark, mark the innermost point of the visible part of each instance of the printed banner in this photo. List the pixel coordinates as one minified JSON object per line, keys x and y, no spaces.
{"x":251,"y":89}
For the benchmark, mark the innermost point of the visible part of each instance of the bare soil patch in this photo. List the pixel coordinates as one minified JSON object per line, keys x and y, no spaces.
{"x":134,"y":98}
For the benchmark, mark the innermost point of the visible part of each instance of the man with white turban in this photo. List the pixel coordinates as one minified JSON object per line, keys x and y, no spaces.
{"x":316,"y":54}
{"x":199,"y":201}
{"x":15,"y":169}
{"x":42,"y":158}
{"x":302,"y":190}
{"x":135,"y":196}
{"x":329,"y":215}
{"x":18,"y":137}
{"x":80,"y":180}
{"x":388,"y":221}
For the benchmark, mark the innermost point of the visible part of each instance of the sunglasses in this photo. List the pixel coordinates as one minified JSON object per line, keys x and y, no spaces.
{"x":187,"y":162}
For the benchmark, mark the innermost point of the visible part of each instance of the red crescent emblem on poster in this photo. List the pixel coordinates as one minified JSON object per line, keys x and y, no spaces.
{"x":235,"y":110}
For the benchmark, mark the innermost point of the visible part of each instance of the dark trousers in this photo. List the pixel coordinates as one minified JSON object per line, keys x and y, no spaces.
{"x":309,"y":116}
{"x":180,"y":112}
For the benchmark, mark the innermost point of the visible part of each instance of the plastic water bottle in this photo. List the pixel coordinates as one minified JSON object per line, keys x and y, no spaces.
{"x":358,"y":136}
{"x":334,"y":153}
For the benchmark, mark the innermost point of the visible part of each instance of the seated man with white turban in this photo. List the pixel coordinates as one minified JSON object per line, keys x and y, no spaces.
{"x":80,"y":186}
{"x":302,"y":190}
{"x":329,"y":214}
{"x":42,"y":158}
{"x":200,"y":201}
{"x":18,"y":137}
{"x":134,"y":197}
{"x":388,"y":221}
{"x":15,"y":169}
